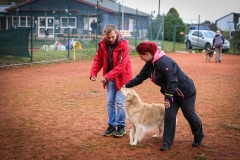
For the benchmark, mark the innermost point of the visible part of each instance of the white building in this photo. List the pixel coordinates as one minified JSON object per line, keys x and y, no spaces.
{"x":227,"y":22}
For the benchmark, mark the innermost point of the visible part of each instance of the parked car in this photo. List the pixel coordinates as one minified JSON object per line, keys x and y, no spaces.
{"x":203,"y":40}
{"x":233,"y":33}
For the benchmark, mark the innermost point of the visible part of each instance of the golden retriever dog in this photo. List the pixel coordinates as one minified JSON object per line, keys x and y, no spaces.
{"x":208,"y":55}
{"x":142,"y":116}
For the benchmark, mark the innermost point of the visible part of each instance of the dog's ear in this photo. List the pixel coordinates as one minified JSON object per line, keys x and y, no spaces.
{"x":134,"y":96}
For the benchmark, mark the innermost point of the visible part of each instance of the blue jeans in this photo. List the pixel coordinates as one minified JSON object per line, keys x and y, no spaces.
{"x":115,"y":105}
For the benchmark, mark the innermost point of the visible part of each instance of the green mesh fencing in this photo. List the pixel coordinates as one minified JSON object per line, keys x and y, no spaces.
{"x":14,"y":42}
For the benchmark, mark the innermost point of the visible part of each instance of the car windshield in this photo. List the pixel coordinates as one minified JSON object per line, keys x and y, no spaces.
{"x":209,"y":34}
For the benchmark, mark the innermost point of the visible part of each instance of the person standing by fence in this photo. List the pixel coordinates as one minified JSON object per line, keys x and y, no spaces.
{"x":93,"y":26}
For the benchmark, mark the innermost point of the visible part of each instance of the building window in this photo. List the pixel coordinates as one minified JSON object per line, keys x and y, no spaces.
{"x":131,"y":25}
{"x":21,"y":21}
{"x":72,"y":22}
{"x":29,"y":21}
{"x":15,"y":21}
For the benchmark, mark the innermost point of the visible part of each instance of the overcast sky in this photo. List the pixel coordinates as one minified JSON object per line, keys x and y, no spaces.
{"x":189,"y":10}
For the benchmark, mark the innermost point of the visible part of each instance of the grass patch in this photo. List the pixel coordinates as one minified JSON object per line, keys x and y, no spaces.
{"x":40,"y":57}
{"x":48,"y":57}
{"x":201,"y":157}
{"x":168,"y":46}
{"x":88,"y":52}
{"x":230,"y":126}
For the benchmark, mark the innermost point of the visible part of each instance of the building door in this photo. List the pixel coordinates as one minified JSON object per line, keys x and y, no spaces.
{"x":3,"y":23}
{"x":45,"y":26}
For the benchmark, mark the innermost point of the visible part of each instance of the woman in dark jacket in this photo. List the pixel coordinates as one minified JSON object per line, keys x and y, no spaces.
{"x":178,"y":88}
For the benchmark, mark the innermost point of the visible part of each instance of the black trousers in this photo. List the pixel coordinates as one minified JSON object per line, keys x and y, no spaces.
{"x":188,"y":108}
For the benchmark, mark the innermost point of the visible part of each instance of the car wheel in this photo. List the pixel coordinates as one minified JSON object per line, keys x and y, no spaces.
{"x":207,"y":46}
{"x":224,"y":50}
{"x":188,"y":45}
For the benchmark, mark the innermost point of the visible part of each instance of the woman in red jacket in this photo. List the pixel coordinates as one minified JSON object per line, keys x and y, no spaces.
{"x":113,"y":57}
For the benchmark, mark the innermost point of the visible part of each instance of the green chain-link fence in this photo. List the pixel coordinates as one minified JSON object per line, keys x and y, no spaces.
{"x":58,"y":30}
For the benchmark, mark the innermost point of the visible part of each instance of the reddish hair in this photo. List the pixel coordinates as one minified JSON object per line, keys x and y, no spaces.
{"x":144,"y":47}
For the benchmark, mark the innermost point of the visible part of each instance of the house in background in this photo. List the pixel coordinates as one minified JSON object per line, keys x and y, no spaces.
{"x":229,"y":22}
{"x":52,"y":16}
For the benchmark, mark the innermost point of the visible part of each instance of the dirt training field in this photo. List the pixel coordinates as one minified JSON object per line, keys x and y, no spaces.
{"x":55,"y":112}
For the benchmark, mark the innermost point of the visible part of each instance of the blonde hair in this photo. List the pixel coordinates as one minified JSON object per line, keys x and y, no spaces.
{"x":109,"y":28}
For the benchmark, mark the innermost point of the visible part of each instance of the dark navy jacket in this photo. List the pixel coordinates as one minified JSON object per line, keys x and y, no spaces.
{"x":165,"y":73}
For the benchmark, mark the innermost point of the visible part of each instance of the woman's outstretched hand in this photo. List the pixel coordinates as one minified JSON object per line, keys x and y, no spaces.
{"x":166,"y":103}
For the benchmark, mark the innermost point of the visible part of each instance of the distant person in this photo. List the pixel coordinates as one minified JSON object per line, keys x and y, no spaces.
{"x":113,"y":59}
{"x":94,"y":26}
{"x":47,"y":33}
{"x":218,"y":42}
{"x":69,"y":45}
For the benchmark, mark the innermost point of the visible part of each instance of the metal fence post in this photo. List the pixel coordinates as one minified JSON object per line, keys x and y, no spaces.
{"x":16,"y":16}
{"x":163,"y":33}
{"x":54,"y":30}
{"x":151,"y":30}
{"x":174,"y":36}
{"x":119,"y":16}
{"x":97,"y":28}
{"x":151,"y":27}
{"x":136,"y":34}
{"x":45,"y":29}
{"x":68,"y":31}
{"x":235,"y":36}
{"x":31,"y":33}
{"x":198,"y":31}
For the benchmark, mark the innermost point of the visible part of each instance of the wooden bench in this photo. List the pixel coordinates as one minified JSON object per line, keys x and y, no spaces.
{"x":126,"y":33}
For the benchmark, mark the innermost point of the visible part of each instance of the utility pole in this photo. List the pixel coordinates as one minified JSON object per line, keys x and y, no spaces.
{"x":16,"y":22}
{"x":97,"y":28}
{"x":159,"y":7}
{"x":119,"y":16}
{"x":122,"y":16}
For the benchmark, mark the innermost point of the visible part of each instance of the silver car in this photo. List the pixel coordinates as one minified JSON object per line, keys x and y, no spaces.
{"x":203,"y":40}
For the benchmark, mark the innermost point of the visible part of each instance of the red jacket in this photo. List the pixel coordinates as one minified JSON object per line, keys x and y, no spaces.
{"x":122,"y":69}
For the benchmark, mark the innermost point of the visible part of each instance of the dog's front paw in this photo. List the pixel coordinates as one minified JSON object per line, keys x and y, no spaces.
{"x":134,"y":143}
